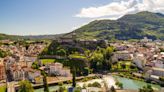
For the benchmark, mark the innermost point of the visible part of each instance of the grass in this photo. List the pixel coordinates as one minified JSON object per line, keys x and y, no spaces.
{"x":3,"y":88}
{"x":46,"y":61}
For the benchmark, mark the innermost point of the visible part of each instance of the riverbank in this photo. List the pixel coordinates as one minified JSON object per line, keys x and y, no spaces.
{"x":64,"y":80}
{"x":83,"y":84}
{"x":110,"y":80}
{"x":137,"y":76}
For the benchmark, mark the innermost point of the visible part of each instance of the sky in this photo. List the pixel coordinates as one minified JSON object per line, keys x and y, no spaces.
{"x":40,"y":17}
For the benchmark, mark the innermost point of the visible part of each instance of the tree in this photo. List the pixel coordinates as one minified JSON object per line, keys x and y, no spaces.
{"x":95,"y":84}
{"x":25,"y":86}
{"x":77,"y":65}
{"x":113,"y":89}
{"x":61,"y":52}
{"x":3,"y":54}
{"x":109,"y":51}
{"x":35,"y":65}
{"x":147,"y":88}
{"x":119,"y":84}
{"x":46,"y":89}
{"x":74,"y":77}
{"x":62,"y":89}
{"x":123,"y":66}
{"x":97,"y":60}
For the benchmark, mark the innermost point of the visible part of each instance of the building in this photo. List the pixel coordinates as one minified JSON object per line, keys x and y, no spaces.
{"x":139,"y":60}
{"x":158,"y":71}
{"x":18,"y":75}
{"x":122,"y":56}
{"x":58,"y":69}
{"x":34,"y":75}
{"x":2,"y":72}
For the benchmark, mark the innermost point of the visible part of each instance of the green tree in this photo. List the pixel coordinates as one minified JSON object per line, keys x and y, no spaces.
{"x":96,"y":84}
{"x":74,"y":77}
{"x":123,"y":66}
{"x":62,"y":89}
{"x":61,"y":52}
{"x":25,"y":86}
{"x":113,"y":89}
{"x":3,"y":54}
{"x":35,"y":65}
{"x":97,"y":60}
{"x":119,"y":84}
{"x":147,"y":88}
{"x":46,"y":89}
{"x":109,"y":51}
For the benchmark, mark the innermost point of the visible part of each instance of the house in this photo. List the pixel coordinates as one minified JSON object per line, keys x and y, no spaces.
{"x":2,"y":71}
{"x":57,"y":69}
{"x":18,"y":75}
{"x":158,"y":71}
{"x":66,"y":73}
{"x":158,"y":63}
{"x":122,"y":56}
{"x":145,"y":39}
{"x":33,"y":75}
{"x":139,"y":60}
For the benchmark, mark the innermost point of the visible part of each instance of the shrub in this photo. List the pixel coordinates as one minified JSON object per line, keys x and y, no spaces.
{"x":95,"y":84}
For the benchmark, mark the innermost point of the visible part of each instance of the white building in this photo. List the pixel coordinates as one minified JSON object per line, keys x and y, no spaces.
{"x":139,"y":60}
{"x":158,"y":71}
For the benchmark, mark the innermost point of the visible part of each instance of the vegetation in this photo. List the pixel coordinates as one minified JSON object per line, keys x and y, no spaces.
{"x":113,"y":89}
{"x":119,"y":84}
{"x":147,"y":88}
{"x":46,"y":61}
{"x":25,"y":86}
{"x":11,"y":37}
{"x":3,"y":88}
{"x":35,"y":65}
{"x":3,"y":54}
{"x":46,"y":89}
{"x":161,"y":78}
{"x":62,"y":89}
{"x":95,"y":84}
{"x":132,"y":26}
{"x":124,"y":66}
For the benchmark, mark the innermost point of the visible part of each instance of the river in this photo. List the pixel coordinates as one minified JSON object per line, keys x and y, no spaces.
{"x":127,"y":83}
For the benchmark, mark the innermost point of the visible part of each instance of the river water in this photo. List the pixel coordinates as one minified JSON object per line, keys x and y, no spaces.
{"x":110,"y":80}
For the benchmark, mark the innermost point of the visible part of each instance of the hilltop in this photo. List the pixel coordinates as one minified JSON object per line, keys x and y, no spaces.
{"x":131,"y":26}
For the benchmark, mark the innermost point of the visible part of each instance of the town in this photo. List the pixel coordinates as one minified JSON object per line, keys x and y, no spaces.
{"x":67,"y":57}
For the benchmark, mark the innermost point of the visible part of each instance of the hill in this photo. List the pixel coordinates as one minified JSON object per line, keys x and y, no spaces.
{"x":131,"y":26}
{"x":32,"y":37}
{"x":11,"y":37}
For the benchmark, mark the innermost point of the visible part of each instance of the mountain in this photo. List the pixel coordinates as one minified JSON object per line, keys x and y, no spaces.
{"x":51,"y":37}
{"x":32,"y":37}
{"x":131,"y":26}
{"x":11,"y":37}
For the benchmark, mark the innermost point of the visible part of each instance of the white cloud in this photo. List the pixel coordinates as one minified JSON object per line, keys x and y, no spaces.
{"x":117,"y":9}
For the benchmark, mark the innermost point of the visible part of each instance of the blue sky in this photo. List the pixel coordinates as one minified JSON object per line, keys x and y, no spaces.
{"x":39,"y":17}
{"x":31,"y":17}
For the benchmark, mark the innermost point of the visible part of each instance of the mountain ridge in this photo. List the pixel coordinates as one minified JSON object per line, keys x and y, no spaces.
{"x":131,"y":26}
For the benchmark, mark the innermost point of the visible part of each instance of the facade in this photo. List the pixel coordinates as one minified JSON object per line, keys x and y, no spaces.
{"x":158,"y":71}
{"x":122,"y":56}
{"x":58,"y":69}
{"x":18,"y":75}
{"x":139,"y":60}
{"x":2,"y":72}
{"x":34,"y":75}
